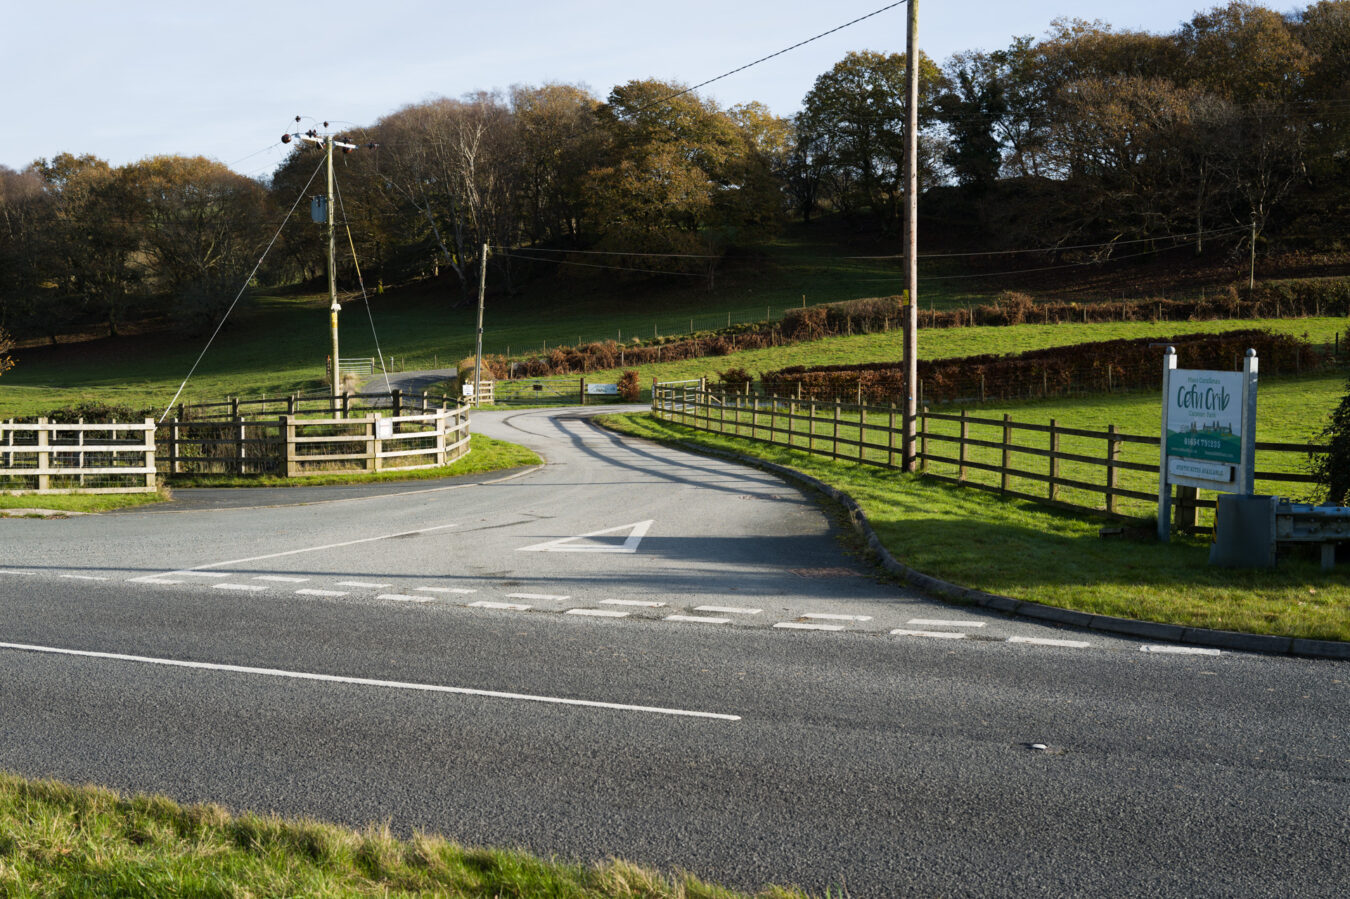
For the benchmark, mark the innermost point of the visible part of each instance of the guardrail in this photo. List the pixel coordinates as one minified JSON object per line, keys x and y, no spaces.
{"x":49,"y":457}
{"x":1105,"y":471}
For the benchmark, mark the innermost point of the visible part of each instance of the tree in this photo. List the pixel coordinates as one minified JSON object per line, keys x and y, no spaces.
{"x":1244,"y":53}
{"x":558,"y":141}
{"x":854,"y":119}
{"x":6,"y":344}
{"x":1331,"y":469}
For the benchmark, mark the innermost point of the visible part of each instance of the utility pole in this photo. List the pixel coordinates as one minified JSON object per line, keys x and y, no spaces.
{"x":911,"y":460}
{"x":478,"y":349}
{"x":328,"y":142}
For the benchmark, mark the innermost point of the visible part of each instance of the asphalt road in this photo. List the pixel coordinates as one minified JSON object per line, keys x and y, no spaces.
{"x":637,"y":652}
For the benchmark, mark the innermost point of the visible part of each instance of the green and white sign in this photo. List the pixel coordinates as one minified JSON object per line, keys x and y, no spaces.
{"x":1204,"y":416}
{"x":1208,"y":431}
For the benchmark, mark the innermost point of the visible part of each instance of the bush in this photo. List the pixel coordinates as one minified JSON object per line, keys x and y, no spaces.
{"x":630,"y":387}
{"x":1331,"y":469}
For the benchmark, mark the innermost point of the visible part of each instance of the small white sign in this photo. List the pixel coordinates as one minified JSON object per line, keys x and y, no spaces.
{"x":602,"y":389}
{"x":1207,"y":471}
{"x":384,"y":428}
{"x":466,"y":389}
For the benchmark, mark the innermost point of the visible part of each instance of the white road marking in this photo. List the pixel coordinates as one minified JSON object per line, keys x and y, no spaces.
{"x":312,"y":549}
{"x":154,"y":580}
{"x":83,"y":577}
{"x":728,"y":610}
{"x":698,"y":619}
{"x":367,"y":584}
{"x":198,"y":573}
{"x":1179,"y":650}
{"x":11,"y":571}
{"x":248,"y":588}
{"x":403,"y":597}
{"x":940,"y":635}
{"x":631,"y":602}
{"x":597,"y":613}
{"x":944,"y":622}
{"x":545,"y":596}
{"x":1046,"y":641}
{"x":445,"y":590}
{"x":369,"y":682}
{"x":637,"y":531}
{"x":509,"y":606}
{"x":307,"y":591}
{"x":799,"y":626}
{"x":285,"y":579}
{"x":823,"y":617}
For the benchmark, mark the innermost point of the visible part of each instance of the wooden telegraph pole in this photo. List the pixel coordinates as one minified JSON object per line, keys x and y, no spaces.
{"x":912,"y":236}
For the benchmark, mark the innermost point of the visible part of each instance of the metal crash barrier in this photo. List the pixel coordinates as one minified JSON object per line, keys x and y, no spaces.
{"x":1247,"y":529}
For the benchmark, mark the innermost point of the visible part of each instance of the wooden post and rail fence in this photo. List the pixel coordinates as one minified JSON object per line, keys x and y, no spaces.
{"x":1099,"y":470}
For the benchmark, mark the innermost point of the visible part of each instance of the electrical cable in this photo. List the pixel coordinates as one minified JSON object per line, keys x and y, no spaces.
{"x":242,"y":288}
{"x":365,"y":299}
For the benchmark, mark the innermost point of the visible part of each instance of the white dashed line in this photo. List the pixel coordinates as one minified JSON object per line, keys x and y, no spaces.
{"x":311,"y":592}
{"x":728,"y":610}
{"x":368,"y":682}
{"x":799,"y":626}
{"x":632,"y":602}
{"x":281,"y":578}
{"x":11,"y":571}
{"x":597,"y":613}
{"x":509,"y":606}
{"x":367,"y":584}
{"x":944,"y":622}
{"x":938,"y":635}
{"x":200,"y":573}
{"x":1179,"y":650}
{"x":544,"y":596}
{"x":698,"y":619}
{"x":83,"y":577}
{"x":247,"y":588}
{"x":822,"y":617}
{"x":445,"y":590}
{"x":403,"y":597}
{"x":153,"y":580}
{"x":1046,"y":641}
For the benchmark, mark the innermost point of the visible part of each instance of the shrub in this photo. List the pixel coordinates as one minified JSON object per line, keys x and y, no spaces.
{"x":630,"y":387}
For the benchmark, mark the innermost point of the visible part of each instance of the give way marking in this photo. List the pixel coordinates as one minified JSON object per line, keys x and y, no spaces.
{"x":571,"y":545}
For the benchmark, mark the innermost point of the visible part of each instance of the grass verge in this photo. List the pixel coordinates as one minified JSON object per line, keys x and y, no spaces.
{"x":486,"y":454}
{"x":82,"y":502}
{"x":61,"y":840}
{"x":1033,"y":552}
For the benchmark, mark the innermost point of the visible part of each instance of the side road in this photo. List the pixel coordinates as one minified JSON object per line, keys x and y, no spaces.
{"x":1197,"y":636}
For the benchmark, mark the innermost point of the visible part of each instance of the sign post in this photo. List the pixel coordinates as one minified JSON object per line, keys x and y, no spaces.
{"x":1208,"y":432}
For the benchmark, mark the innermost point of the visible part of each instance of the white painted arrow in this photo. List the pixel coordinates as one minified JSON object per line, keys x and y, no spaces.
{"x":570,"y":545}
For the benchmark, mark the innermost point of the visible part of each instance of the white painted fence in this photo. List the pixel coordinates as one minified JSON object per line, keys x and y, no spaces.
{"x":46,"y":457}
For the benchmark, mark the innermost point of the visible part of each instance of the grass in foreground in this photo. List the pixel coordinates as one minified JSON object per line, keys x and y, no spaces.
{"x":1032,"y":552}
{"x":62,"y":840}
{"x":82,"y":502}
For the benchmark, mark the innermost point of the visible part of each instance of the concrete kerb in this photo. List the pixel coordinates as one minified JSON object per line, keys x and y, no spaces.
{"x":1129,"y":627}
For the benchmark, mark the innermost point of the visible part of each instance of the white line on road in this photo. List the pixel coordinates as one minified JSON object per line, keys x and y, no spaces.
{"x":698,"y":619}
{"x":281,"y":578}
{"x":798,"y":626}
{"x":369,"y":682}
{"x":445,"y":590}
{"x":939,"y":635}
{"x":1046,"y":641}
{"x":403,"y":597}
{"x":247,"y":588}
{"x":509,"y":606}
{"x":367,"y":584}
{"x":637,"y":531}
{"x":824,"y":617}
{"x":1179,"y":650}
{"x":12,"y":571}
{"x":632,"y":602}
{"x":312,"y":549}
{"x":154,"y":580}
{"x":728,"y":610}
{"x":944,"y":622}
{"x":198,"y":573}
{"x":83,"y":577}
{"x":597,"y":613}
{"x":307,"y":591}
{"x":545,"y":596}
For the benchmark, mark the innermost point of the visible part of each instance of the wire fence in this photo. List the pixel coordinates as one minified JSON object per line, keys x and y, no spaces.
{"x":48,"y":457}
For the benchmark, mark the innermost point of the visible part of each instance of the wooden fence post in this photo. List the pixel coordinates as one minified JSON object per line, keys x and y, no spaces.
{"x":374,"y":445}
{"x":961,"y":454}
{"x":1052,"y":488}
{"x":239,"y":433}
{"x":1006,"y":461}
{"x":291,"y":462}
{"x":890,"y":438}
{"x":834,"y":447}
{"x":150,"y":453}
{"x":1112,"y":455}
{"x":862,"y":429}
{"x":397,"y":402}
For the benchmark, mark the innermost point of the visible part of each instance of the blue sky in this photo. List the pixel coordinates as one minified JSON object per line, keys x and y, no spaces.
{"x":143,"y":77}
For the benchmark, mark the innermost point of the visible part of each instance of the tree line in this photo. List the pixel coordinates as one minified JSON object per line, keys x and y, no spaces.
{"x":1088,"y":136}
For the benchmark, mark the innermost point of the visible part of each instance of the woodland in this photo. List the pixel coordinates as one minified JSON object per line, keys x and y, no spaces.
{"x":1082,"y":143}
